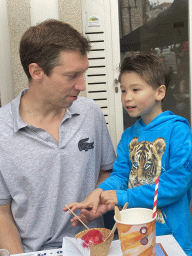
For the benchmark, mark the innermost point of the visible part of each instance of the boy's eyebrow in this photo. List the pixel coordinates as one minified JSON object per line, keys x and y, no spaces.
{"x":136,"y":84}
{"x":132,"y":85}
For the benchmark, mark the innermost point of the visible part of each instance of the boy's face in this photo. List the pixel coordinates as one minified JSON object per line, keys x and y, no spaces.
{"x":139,"y":98}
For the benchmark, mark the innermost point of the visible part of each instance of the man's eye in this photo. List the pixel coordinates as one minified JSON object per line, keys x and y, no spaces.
{"x":122,"y":91}
{"x":72,"y":76}
{"x":135,"y":90}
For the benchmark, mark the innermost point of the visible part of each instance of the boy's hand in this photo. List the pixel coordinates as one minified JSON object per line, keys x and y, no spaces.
{"x":87,"y":215}
{"x":91,"y":202}
{"x":109,"y":197}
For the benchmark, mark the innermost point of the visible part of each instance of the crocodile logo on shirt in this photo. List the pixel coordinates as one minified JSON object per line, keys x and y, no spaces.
{"x":83,"y":145}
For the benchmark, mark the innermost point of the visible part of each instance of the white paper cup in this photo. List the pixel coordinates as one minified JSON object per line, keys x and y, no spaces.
{"x":4,"y":252}
{"x":137,"y":232}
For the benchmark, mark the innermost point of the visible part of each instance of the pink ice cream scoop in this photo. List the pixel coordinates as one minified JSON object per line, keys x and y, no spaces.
{"x":92,"y":237}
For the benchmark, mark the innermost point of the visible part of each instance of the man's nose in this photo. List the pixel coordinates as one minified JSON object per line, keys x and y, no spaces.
{"x":80,"y":84}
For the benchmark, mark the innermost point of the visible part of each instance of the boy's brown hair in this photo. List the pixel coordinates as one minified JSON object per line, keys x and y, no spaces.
{"x":43,"y":43}
{"x":151,"y":68}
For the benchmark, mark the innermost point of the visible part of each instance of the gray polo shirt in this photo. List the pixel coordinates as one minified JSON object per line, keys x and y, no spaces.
{"x":39,"y":175}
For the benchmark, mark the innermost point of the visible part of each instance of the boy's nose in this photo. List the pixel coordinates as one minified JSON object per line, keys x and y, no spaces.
{"x":128,"y":97}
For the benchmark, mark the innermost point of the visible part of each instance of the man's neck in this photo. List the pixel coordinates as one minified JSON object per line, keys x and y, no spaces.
{"x":34,"y":111}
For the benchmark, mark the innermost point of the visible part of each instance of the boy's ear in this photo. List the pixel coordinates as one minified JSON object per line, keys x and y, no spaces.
{"x":161,"y":92}
{"x":35,"y":71}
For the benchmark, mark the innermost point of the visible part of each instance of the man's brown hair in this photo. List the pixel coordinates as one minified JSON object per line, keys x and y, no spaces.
{"x":43,"y":43}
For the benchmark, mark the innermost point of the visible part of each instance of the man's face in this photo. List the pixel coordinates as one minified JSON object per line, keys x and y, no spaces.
{"x":62,"y":87}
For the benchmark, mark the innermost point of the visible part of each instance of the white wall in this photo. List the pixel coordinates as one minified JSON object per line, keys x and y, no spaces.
{"x":43,"y":10}
{"x":6,"y":81}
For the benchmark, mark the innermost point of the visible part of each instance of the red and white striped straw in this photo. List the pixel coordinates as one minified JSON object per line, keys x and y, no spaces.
{"x":155,"y":198}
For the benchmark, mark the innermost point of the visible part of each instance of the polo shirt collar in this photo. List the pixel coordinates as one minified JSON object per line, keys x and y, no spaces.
{"x":74,"y":109}
{"x":18,"y":121}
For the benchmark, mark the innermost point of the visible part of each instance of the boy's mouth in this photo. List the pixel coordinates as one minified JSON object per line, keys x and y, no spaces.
{"x":130,"y":107}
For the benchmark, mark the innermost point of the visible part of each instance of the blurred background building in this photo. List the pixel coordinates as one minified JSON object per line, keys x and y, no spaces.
{"x":159,"y":27}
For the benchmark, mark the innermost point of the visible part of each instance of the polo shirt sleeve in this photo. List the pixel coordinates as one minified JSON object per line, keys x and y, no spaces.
{"x":107,"y":151}
{"x":5,"y":197}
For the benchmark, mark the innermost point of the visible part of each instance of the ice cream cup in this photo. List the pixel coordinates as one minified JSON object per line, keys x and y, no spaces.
{"x":102,"y":248}
{"x":137,"y":232}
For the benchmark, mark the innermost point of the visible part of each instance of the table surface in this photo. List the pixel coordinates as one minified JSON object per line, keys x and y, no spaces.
{"x":168,"y":242}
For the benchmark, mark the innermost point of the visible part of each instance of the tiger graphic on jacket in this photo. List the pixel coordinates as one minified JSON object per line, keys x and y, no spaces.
{"x":146,"y":158}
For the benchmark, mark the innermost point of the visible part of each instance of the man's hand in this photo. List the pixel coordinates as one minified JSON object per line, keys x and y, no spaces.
{"x":92,"y":201}
{"x":87,"y":215}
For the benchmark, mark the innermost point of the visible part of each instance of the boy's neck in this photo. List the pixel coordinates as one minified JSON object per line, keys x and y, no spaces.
{"x":150,"y":116}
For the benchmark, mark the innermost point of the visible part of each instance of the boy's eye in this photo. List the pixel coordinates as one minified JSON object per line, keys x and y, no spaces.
{"x":135,"y":90}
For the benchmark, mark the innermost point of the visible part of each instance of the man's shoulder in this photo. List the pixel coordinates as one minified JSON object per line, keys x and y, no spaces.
{"x":83,"y":104}
{"x":5,"y":112}
{"x":85,"y":100}
{"x":6,"y":120}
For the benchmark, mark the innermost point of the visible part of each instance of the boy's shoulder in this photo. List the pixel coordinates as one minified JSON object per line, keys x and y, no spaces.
{"x":168,"y":119}
{"x":165,"y":124}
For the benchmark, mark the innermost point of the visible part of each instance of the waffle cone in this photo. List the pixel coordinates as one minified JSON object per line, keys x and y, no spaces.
{"x":102,"y":248}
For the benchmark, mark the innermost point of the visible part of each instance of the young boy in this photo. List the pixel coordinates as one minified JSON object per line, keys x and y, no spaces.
{"x":158,"y":145}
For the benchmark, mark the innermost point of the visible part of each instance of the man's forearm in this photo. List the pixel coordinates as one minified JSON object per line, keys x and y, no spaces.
{"x":9,"y":235}
{"x":103,"y":175}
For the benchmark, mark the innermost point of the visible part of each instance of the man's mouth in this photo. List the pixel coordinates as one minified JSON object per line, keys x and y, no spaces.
{"x":74,"y":97}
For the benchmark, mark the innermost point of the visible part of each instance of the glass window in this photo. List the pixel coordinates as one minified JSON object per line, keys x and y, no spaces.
{"x":160,"y":27}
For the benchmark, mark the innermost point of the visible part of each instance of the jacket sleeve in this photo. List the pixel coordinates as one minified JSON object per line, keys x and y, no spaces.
{"x":174,"y":182}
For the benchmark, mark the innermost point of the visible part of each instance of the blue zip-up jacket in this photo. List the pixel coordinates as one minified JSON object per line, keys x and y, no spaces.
{"x":163,"y":149}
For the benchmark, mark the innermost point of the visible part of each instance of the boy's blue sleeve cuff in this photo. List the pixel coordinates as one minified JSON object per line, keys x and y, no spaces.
{"x":104,"y":186}
{"x":122,"y":197}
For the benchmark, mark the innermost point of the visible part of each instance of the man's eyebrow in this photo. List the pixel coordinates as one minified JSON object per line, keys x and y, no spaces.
{"x":76,"y":72}
{"x":71,"y":73}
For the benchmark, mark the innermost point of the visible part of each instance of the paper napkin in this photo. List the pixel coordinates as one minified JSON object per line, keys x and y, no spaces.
{"x":72,"y":246}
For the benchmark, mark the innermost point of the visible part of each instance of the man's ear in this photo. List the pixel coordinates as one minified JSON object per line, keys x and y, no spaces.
{"x":35,"y":71}
{"x":161,"y":93}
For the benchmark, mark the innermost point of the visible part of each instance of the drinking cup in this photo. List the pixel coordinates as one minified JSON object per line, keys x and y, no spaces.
{"x":137,"y":232}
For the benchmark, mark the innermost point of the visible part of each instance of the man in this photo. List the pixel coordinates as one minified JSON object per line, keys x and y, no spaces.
{"x":55,"y":146}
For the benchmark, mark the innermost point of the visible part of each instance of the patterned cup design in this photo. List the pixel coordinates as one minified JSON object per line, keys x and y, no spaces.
{"x":137,"y":239}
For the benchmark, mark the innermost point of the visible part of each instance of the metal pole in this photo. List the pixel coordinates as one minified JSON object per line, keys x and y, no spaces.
{"x":190,"y":56}
{"x":129,"y":11}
